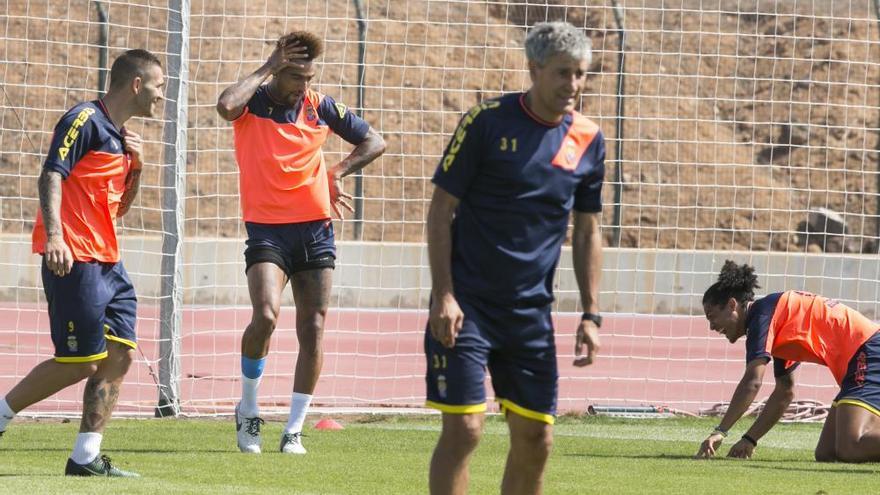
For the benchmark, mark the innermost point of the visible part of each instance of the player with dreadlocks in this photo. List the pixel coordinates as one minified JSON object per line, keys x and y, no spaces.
{"x":791,"y":327}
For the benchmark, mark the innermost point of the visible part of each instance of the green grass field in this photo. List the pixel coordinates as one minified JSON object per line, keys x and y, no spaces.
{"x":389,"y":455}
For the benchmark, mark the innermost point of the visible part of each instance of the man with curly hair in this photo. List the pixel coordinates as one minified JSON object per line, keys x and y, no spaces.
{"x":288,"y":196}
{"x":788,"y":328}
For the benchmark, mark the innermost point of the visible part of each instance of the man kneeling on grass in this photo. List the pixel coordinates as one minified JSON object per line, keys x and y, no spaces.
{"x":790,"y":327}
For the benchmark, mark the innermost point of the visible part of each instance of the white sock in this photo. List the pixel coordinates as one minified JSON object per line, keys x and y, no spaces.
{"x":299,"y":406}
{"x":6,"y":414}
{"x":86,"y":447}
{"x":248,"y":406}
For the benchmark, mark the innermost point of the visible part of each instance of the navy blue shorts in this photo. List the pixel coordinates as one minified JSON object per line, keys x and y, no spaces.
{"x":518,"y":348}
{"x":294,"y":247}
{"x":861,"y":385}
{"x":93,"y":303}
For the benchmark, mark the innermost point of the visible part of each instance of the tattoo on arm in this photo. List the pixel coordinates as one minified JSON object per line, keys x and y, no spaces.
{"x":49,"y":186}
{"x":363,"y":154}
{"x":132,"y":185}
{"x":231,"y":103}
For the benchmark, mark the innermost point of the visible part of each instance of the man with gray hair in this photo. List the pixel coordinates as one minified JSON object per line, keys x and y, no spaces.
{"x":505,"y":188}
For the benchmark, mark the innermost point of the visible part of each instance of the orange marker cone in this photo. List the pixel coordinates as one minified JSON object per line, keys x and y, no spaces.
{"x":328,"y":424}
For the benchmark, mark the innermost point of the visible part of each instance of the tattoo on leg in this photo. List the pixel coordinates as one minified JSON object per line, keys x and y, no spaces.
{"x":93,"y":398}
{"x":99,"y":399}
{"x":112,"y":397}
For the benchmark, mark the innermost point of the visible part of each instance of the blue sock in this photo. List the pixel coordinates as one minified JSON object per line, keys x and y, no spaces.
{"x":251,"y":371}
{"x":252,"y":368}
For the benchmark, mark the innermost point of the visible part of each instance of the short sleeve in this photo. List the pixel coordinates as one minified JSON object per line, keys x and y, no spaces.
{"x":72,"y":139}
{"x":343,"y":121}
{"x":462,"y":156}
{"x":588,"y":195}
{"x":244,"y":113}
{"x":257,"y":103}
{"x":758,"y":327}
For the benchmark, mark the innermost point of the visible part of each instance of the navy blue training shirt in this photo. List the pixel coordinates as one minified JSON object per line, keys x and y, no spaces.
{"x":334,"y":115}
{"x":86,"y":129}
{"x":757,"y":327}
{"x":517,"y":178}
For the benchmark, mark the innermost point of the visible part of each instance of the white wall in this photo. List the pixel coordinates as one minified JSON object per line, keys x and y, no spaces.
{"x":395,"y":275}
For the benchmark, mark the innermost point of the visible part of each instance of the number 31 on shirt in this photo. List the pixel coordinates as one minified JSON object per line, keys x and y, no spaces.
{"x":507,"y":144}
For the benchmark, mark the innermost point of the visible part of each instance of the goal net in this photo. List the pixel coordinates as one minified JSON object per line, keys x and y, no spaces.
{"x":735,"y":130}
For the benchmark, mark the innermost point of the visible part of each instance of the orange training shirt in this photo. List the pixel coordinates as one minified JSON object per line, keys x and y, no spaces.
{"x":282,"y":174}
{"x":815,"y":329}
{"x":87,"y":150}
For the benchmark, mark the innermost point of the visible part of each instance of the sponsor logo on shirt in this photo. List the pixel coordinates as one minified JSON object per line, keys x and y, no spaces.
{"x":461,"y":132}
{"x":73,"y":132}
{"x":340,"y":109}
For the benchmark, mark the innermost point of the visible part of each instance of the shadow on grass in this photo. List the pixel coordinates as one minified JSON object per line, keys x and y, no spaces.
{"x":673,"y":457}
{"x":111,"y":452}
{"x":820,"y":467}
{"x":30,"y":475}
{"x":676,"y":457}
{"x":751,"y":463}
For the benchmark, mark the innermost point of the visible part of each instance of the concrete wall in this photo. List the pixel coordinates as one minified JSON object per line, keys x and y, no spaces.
{"x":395,"y":275}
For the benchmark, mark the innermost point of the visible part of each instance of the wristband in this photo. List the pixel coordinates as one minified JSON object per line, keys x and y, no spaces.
{"x":751,"y":440}
{"x":720,"y":431}
{"x":595,"y":318}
